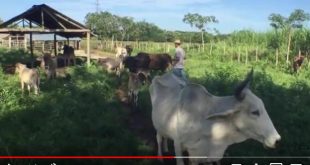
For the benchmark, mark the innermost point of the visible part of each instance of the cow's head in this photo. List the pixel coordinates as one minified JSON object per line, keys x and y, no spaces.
{"x":19,"y":67}
{"x":250,"y":117}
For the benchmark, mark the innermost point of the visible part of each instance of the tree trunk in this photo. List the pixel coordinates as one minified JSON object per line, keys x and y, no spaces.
{"x":288,"y":46}
{"x":112,"y":42}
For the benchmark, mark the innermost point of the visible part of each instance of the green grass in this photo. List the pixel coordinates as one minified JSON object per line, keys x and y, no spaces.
{"x":286,"y":98}
{"x":75,"y":115}
{"x":80,"y":115}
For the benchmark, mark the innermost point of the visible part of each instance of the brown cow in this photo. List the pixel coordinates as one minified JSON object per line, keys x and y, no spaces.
{"x":28,"y":76}
{"x":68,"y":55}
{"x":146,"y":61}
{"x":298,"y":60}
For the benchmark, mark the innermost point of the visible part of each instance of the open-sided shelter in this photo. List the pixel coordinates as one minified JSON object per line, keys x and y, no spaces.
{"x":42,"y":19}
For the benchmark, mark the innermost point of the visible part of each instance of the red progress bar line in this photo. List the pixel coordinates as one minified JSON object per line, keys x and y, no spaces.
{"x":87,"y":157}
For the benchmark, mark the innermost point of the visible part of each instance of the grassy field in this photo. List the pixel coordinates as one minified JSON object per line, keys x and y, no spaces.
{"x":80,"y":115}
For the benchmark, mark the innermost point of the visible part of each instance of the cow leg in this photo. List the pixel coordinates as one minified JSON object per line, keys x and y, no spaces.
{"x":36,"y":89}
{"x":22,"y":86}
{"x":74,"y":61}
{"x":165,"y":140}
{"x":136,"y":93}
{"x":159,"y":141}
{"x":178,"y":152}
{"x":69,"y":61}
{"x":29,"y":88}
{"x":130,"y":96}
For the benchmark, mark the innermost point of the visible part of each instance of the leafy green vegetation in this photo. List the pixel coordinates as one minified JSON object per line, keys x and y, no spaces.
{"x":80,"y":114}
{"x":75,"y":115}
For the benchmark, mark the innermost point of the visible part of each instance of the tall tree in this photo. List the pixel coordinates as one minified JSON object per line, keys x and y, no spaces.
{"x":104,"y":24}
{"x":288,"y":24}
{"x":199,"y":22}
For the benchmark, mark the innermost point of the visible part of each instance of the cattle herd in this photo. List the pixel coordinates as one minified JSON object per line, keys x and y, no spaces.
{"x":197,"y":121}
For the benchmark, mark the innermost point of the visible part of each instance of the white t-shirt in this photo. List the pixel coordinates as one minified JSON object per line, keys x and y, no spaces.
{"x":179,"y":56}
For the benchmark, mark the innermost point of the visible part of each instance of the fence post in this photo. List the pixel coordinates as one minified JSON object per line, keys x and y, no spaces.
{"x":10,"y":42}
{"x":25,"y":43}
{"x":211,"y":46}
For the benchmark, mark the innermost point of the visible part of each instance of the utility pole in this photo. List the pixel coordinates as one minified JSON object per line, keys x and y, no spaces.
{"x":97,"y":6}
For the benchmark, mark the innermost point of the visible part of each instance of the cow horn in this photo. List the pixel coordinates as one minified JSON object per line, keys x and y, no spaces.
{"x":245,"y":84}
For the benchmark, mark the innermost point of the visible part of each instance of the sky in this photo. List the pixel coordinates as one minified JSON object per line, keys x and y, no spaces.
{"x":168,"y":14}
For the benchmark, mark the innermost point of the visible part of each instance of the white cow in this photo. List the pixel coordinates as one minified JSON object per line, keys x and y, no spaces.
{"x":204,"y":124}
{"x":121,"y":52}
{"x":29,"y":77}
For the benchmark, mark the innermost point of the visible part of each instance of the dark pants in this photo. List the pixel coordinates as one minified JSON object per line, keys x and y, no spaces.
{"x":180,"y":73}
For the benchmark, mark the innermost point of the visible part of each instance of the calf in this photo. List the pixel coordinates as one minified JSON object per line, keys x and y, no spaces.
{"x":110,"y":64}
{"x":28,"y":76}
{"x":49,"y":65}
{"x":120,"y":52}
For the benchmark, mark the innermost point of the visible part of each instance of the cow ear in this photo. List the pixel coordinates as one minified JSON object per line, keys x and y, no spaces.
{"x":142,"y":77}
{"x":245,"y":84}
{"x":222,"y":114}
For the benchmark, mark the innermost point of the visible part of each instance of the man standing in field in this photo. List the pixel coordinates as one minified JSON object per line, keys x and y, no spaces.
{"x":178,"y":61}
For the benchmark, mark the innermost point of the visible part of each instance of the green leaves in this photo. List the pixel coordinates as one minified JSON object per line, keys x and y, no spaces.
{"x":295,"y":20}
{"x":198,"y":20}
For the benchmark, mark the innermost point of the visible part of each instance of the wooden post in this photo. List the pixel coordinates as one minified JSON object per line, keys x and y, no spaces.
{"x":211,"y":49}
{"x":10,"y":41}
{"x":55,"y":45}
{"x":25,"y":42}
{"x":68,"y":41}
{"x":42,"y":19}
{"x":88,"y":48}
{"x":112,"y":42}
{"x":78,"y":45}
{"x":31,"y":44}
{"x":43,"y":44}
